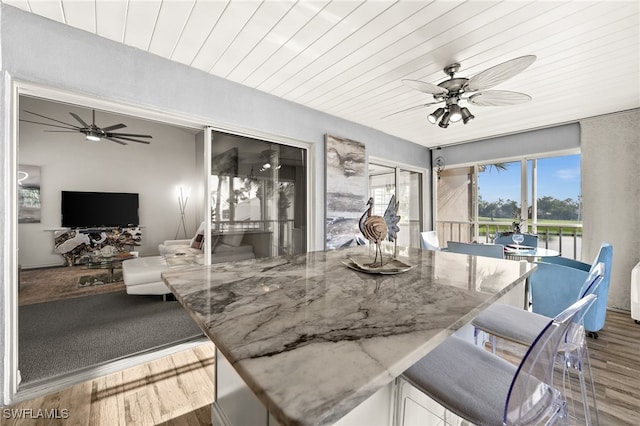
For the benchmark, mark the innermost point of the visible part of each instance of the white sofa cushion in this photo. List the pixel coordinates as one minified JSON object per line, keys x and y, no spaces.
{"x":143,"y":270}
{"x":177,"y":249}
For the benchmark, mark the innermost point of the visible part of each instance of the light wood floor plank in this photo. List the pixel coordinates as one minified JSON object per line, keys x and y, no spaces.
{"x":82,"y":410}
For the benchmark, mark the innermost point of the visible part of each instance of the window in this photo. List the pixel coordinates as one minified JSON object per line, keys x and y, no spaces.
{"x":543,"y":194}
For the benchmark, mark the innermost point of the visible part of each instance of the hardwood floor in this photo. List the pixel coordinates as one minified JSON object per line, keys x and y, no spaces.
{"x":175,"y":390}
{"x":178,"y":390}
{"x":615,"y":361}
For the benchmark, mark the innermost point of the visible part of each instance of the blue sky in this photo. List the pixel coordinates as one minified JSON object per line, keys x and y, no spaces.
{"x":558,"y":177}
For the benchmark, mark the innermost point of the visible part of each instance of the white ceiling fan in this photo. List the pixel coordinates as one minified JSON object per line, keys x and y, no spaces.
{"x":456,"y":89}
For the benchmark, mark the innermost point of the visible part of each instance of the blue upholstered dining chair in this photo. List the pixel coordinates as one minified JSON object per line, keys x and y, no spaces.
{"x":485,"y":389}
{"x":429,"y":240}
{"x":504,"y":238}
{"x":486,"y":250}
{"x":557,"y":281}
{"x":521,"y":326}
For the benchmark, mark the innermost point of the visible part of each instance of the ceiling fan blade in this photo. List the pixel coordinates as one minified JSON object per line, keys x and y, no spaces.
{"x":52,"y":119}
{"x":413,"y":108}
{"x":114,"y":127}
{"x":498,"y":98}
{"x":432,"y":89}
{"x":117,"y":135}
{"x":62,"y":131}
{"x":80,"y":120}
{"x":116,"y":141}
{"x":499,"y":73}
{"x":110,"y":137}
{"x":76,"y":129}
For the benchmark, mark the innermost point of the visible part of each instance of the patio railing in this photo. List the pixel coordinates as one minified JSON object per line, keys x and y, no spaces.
{"x":563,"y":237}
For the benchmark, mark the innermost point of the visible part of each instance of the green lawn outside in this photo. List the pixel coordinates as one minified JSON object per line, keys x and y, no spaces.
{"x":505,"y":225}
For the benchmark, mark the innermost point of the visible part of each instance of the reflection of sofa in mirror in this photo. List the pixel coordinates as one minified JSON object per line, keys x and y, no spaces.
{"x":226,"y":246}
{"x":230,"y":246}
{"x":240,"y":242}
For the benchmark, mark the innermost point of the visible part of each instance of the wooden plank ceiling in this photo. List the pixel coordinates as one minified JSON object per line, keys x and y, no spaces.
{"x":347,"y":58}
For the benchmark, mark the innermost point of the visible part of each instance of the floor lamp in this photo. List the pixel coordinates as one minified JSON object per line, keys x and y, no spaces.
{"x":182,"y":203}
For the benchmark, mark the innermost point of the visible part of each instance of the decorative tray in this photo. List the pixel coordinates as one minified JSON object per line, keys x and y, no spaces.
{"x":389,"y":267}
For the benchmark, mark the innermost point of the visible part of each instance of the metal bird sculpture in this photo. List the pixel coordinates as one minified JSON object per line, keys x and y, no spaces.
{"x":376,"y":228}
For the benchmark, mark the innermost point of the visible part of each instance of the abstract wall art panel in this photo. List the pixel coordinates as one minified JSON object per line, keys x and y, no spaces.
{"x":346,"y":191}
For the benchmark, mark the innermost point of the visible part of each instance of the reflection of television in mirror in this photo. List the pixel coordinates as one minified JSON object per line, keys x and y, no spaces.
{"x":99,"y":209}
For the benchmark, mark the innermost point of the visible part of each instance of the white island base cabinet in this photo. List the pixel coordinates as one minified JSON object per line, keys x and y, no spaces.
{"x":237,"y":405}
{"x":417,"y":409}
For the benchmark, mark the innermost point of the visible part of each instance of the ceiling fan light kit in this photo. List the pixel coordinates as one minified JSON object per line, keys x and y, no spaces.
{"x":435,"y":115}
{"x":93,"y":137}
{"x":453,"y":91}
{"x":454,"y":113}
{"x":466,"y":115}
{"x":444,"y":123}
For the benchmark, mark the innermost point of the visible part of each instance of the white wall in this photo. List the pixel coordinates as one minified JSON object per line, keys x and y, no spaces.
{"x":69,"y":162}
{"x":610,"y":150}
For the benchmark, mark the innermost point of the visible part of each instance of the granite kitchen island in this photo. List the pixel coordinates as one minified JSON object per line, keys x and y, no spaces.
{"x":309,"y":340}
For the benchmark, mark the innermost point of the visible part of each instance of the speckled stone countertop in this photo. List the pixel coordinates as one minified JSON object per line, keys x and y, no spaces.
{"x":313,"y":338}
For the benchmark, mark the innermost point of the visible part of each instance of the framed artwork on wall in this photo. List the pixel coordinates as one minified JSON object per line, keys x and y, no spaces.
{"x":28,"y":194}
{"x":346,"y":191}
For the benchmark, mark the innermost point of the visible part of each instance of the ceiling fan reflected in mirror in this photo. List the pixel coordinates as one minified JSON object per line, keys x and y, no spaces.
{"x":457,"y":89}
{"x":91,"y":131}
{"x":268,"y":159}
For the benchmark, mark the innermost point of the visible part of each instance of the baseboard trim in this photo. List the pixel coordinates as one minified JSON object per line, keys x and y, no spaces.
{"x":54,"y":384}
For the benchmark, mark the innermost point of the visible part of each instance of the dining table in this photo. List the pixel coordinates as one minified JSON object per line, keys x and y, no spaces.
{"x":529,"y":253}
{"x":310,"y":339}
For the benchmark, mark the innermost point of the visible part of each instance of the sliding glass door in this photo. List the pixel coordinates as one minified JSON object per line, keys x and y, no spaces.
{"x":258,"y":198}
{"x":406,"y":185}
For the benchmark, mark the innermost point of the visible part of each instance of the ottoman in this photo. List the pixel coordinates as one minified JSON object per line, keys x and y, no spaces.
{"x":142,"y":275}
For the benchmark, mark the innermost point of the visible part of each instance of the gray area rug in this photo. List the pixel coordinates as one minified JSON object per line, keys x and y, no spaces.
{"x":67,"y":335}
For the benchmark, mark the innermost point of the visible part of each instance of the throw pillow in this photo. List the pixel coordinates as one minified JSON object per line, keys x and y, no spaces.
{"x":198,"y":242}
{"x":199,"y":232}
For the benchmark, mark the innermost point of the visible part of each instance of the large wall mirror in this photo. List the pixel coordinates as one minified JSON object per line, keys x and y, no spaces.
{"x":258,"y":198}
